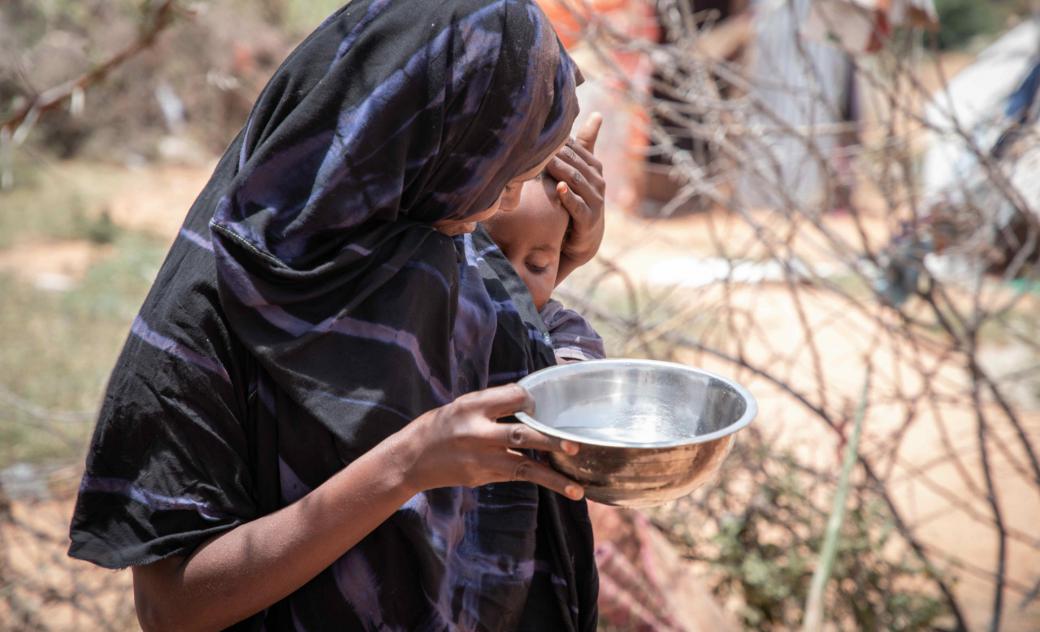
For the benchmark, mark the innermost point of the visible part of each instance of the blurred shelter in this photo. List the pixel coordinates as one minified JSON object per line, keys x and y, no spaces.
{"x":799,"y":87}
{"x":800,"y":83}
{"x":984,"y":123}
{"x":861,"y":26}
{"x":718,"y":31}
{"x":625,"y":81}
{"x":808,"y":103}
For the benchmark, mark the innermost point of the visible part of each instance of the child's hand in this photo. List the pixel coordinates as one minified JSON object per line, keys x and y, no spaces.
{"x":461,"y":443}
{"x":581,"y":190}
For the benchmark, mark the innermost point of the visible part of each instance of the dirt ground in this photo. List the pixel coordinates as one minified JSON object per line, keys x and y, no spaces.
{"x":54,"y":591}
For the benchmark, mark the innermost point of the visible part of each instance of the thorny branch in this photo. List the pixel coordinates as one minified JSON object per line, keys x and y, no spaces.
{"x":16,"y":128}
{"x":941,"y":342}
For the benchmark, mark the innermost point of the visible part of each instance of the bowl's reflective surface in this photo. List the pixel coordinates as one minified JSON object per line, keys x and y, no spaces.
{"x":649,"y":431}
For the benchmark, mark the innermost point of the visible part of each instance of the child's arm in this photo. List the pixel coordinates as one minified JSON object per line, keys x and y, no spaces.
{"x":573,"y":338}
{"x":581,"y":190}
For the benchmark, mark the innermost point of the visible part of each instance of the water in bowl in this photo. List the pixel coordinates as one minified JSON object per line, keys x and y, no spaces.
{"x":633,"y":423}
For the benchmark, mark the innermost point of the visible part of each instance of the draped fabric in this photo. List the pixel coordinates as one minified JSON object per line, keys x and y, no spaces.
{"x":308,"y":310}
{"x":572,"y":337}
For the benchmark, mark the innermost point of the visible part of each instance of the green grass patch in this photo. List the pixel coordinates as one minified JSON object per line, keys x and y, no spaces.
{"x":304,"y":15}
{"x":57,"y":349}
{"x":58,"y":202}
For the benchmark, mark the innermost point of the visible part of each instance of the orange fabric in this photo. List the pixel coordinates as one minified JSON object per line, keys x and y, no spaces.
{"x":635,"y":18}
{"x":567,"y":25}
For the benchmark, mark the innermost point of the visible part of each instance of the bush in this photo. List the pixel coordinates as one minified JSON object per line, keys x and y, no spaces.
{"x":767,"y":527}
{"x":961,"y":21}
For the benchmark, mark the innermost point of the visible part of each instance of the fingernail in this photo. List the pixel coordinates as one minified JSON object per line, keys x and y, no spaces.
{"x":569,"y":447}
{"x":564,"y":188}
{"x":574,"y":492}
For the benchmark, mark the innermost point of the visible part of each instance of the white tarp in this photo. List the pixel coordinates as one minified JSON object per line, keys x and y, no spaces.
{"x":975,"y":100}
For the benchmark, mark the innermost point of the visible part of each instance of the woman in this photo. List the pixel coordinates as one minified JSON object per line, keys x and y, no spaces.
{"x":295,"y":435}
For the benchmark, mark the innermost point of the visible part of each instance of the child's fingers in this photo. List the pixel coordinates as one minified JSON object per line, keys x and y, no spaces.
{"x":572,"y":155}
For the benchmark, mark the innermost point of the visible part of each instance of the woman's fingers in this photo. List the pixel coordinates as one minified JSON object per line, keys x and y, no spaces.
{"x":517,"y":436}
{"x":515,"y":467}
{"x":462,"y":444}
{"x":498,"y":401}
{"x":589,"y":132}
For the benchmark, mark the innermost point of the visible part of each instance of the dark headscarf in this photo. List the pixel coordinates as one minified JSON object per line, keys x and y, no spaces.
{"x":308,"y":310}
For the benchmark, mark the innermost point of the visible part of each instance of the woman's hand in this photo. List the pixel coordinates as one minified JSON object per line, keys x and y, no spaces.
{"x":461,"y":443}
{"x":581,"y":189}
{"x":229,"y":577}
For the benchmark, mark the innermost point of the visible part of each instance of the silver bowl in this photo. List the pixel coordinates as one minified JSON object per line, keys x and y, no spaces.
{"x":649,"y":431}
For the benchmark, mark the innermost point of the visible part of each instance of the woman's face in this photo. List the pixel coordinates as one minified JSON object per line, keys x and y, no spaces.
{"x":507,"y":201}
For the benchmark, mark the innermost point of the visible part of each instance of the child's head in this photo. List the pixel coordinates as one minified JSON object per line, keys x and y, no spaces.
{"x":532,"y":236}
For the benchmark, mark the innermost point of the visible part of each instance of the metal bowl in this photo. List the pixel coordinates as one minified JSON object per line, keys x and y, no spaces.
{"x":649,"y":431}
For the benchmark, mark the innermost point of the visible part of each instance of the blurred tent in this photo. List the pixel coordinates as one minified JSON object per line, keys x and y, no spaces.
{"x":796,"y":54}
{"x":808,"y":103}
{"x":861,"y":26}
{"x":979,"y":190}
{"x":976,"y":102}
{"x":986,"y":122}
{"x":801,"y":89}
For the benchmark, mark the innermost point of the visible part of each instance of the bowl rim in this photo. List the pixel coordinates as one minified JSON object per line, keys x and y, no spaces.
{"x":533,"y":379}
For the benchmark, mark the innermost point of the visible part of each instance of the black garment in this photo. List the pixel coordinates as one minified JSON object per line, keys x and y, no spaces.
{"x":308,"y":310}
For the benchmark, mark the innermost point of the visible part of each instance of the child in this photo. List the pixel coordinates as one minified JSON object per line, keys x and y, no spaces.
{"x":531,"y":237}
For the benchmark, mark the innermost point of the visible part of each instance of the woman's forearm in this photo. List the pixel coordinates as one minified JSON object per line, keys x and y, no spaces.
{"x":253,"y":566}
{"x":247,"y":569}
